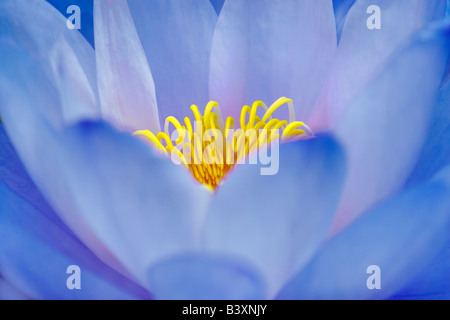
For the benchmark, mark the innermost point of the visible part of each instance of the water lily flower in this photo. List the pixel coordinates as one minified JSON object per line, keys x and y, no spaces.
{"x":369,"y":187}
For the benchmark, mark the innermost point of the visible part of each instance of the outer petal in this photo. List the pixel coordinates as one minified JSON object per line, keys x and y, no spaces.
{"x":203,"y":277}
{"x":125,"y":82}
{"x":65,"y":56}
{"x":35,"y":255}
{"x":385,"y":127}
{"x":436,"y":150}
{"x":363,"y":53}
{"x":217,"y":4}
{"x":176,"y":36}
{"x":432,"y":283}
{"x":400,"y":236}
{"x":9,"y":292}
{"x":269,"y":49}
{"x":277,"y":222}
{"x":341,"y":8}
{"x":87,"y":15}
{"x":106,"y":185}
{"x":14,"y":176}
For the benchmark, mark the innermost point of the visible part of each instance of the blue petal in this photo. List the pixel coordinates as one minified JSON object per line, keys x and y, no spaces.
{"x":87,"y":17}
{"x":67,"y":60}
{"x":35,"y":255}
{"x":176,"y":36}
{"x":125,"y":82}
{"x":9,"y":292}
{"x":400,"y":236}
{"x":217,"y":4}
{"x":203,"y":277}
{"x":435,"y":153}
{"x":268,"y":49}
{"x":432,"y":283}
{"x":389,"y":118}
{"x":109,"y":187}
{"x":14,"y":175}
{"x":363,"y":53}
{"x":278,"y":221}
{"x":341,"y":8}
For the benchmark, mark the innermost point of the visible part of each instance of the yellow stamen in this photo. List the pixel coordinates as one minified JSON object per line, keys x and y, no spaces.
{"x":211,"y":148}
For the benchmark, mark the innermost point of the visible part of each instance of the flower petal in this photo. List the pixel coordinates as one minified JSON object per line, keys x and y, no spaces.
{"x":176,"y":36}
{"x":269,"y":49}
{"x":14,"y":176}
{"x":400,"y":236}
{"x":65,"y":56}
{"x":9,"y":292}
{"x":125,"y":82}
{"x":106,"y":185}
{"x":87,"y":15}
{"x":341,"y":8}
{"x":432,"y":283}
{"x":389,"y":118}
{"x":203,"y":277}
{"x":435,"y":153}
{"x":35,"y":254}
{"x":363,"y":53}
{"x":277,"y":222}
{"x":217,"y":4}
{"x":34,"y":138}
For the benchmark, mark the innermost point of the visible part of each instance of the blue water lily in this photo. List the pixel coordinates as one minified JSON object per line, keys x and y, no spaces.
{"x":370,"y":186}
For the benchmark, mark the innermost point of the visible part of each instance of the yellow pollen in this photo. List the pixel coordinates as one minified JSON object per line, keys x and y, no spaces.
{"x":209,"y":148}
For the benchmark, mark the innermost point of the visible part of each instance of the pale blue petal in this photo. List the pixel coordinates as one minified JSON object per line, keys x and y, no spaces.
{"x":432,"y":283}
{"x":125,"y":82}
{"x":9,"y":292}
{"x":204,"y":277}
{"x":341,"y":8}
{"x":400,"y":236}
{"x":34,"y":138}
{"x":14,"y":176}
{"x":176,"y":36}
{"x":65,"y":56}
{"x":436,"y":150}
{"x":106,"y":185}
{"x":35,"y":255}
{"x":87,"y":15}
{"x":268,"y":49}
{"x":278,"y":221}
{"x":384,"y":128}
{"x":363,"y":53}
{"x":217,"y":4}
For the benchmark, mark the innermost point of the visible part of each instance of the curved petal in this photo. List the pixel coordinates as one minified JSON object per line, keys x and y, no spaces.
{"x":35,"y":255}
{"x":125,"y":82}
{"x":432,"y":283}
{"x":63,"y":54}
{"x":217,"y":4}
{"x":341,"y":8}
{"x":176,"y":36}
{"x":435,"y":153}
{"x":30,"y":130}
{"x":87,"y":15}
{"x":386,"y":125}
{"x":363,"y":53}
{"x":400,"y":236}
{"x":106,"y":185}
{"x":9,"y":292}
{"x":140,"y":204}
{"x":14,"y":176}
{"x":203,"y":277}
{"x":277,"y":222}
{"x":271,"y":49}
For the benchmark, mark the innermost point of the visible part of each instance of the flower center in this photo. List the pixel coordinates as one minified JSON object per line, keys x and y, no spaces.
{"x":210,"y":148}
